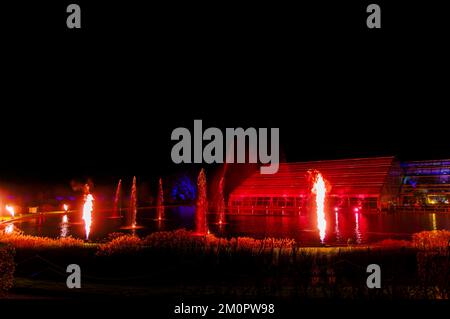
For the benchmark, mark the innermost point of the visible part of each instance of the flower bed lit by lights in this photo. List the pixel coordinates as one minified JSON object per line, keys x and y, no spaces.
{"x":172,"y":257}
{"x":432,"y":240}
{"x":20,"y":240}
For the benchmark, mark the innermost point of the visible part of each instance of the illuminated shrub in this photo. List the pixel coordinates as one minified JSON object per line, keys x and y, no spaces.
{"x":6,"y":268}
{"x":183,"y":242}
{"x":127,"y":244}
{"x":432,"y":263}
{"x":178,"y":239}
{"x":19,"y":240}
{"x":432,"y":240}
{"x":112,"y":236}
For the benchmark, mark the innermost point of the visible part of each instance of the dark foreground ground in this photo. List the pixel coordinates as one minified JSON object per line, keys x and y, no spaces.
{"x":125,"y":275}
{"x":309,"y":282}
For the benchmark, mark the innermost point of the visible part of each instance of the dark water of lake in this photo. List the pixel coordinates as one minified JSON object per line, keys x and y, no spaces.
{"x":359,"y":227}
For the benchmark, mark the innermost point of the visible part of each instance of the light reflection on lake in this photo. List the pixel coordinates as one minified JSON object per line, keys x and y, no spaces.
{"x":342,"y":226}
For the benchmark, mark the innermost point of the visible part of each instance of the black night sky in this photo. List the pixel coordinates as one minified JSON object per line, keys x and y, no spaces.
{"x":103,"y":102}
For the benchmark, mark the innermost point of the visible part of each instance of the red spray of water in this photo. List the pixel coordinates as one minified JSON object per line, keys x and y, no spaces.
{"x":202,"y":204}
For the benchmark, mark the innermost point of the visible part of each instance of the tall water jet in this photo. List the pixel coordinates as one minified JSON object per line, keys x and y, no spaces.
{"x":87,"y":213}
{"x":201,"y":205}
{"x":358,"y":234}
{"x":220,"y":204}
{"x":64,"y":227}
{"x":319,"y":189}
{"x":117,"y":201}
{"x":10,"y":210}
{"x":336,"y":224}
{"x":160,"y":201}
{"x":133,"y":207}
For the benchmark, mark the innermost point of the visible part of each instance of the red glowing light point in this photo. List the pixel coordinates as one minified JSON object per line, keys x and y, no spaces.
{"x":356,"y":209}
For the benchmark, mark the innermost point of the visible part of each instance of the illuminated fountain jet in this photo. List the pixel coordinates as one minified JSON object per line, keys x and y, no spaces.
{"x":336,"y":224}
{"x":357,"y":228}
{"x":11,"y":211}
{"x":133,"y":205}
{"x":201,"y":205}
{"x":131,"y":222}
{"x":64,"y":226}
{"x":87,"y":213}
{"x":221,"y":204}
{"x":9,"y":229}
{"x":320,"y":190}
{"x":116,"y":209}
{"x":160,"y":202}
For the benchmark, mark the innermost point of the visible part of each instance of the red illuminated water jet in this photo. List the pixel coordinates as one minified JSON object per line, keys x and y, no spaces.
{"x":131,"y":222}
{"x":133,"y":205}
{"x":357,"y":228}
{"x":220,"y":204}
{"x":160,"y":202}
{"x":87,"y":213}
{"x":320,"y":190}
{"x":201,"y":205}
{"x":117,"y":201}
{"x":64,"y":227}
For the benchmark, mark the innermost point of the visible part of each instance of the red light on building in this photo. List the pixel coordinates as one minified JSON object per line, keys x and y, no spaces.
{"x":359,"y":182}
